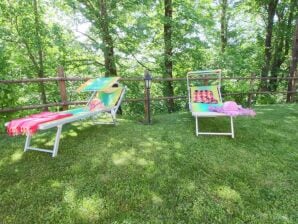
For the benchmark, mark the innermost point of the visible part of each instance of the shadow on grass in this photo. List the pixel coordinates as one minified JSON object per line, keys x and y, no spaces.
{"x":161,"y":173}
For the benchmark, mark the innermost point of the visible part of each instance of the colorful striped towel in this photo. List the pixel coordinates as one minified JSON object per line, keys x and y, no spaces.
{"x":30,"y":124}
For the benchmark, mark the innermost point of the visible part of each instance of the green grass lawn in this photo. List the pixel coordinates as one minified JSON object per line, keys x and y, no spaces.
{"x":163,"y":173}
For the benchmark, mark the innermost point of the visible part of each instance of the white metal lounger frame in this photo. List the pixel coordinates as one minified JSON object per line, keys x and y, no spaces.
{"x":195,"y":74}
{"x":112,"y":111}
{"x":59,"y":123}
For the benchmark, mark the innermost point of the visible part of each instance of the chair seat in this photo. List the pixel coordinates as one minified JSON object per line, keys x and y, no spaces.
{"x":77,"y":117}
{"x":209,"y":114}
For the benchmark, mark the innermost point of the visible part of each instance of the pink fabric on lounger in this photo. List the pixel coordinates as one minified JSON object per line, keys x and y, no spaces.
{"x":30,"y":124}
{"x":95,"y":104}
{"x":231,"y":108}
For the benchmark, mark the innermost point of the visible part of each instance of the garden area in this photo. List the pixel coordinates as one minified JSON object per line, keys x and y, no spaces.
{"x":159,"y":173}
{"x":62,"y":63}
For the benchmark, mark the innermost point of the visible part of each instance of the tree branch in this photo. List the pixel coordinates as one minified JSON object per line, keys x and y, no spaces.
{"x":31,"y":56}
{"x":140,"y":63}
{"x":88,"y":36}
{"x":84,"y":60}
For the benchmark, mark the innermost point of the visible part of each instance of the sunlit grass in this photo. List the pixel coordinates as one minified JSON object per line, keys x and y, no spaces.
{"x":160,"y":173}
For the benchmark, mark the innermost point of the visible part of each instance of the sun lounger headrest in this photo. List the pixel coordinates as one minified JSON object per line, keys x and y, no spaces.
{"x":206,"y":77}
{"x":98,"y":84}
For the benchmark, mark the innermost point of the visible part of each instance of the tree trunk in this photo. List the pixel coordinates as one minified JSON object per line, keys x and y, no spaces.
{"x":40,"y":69}
{"x":293,"y":68}
{"x":277,"y":60}
{"x":168,"y":54}
{"x":271,"y":10}
{"x":224,"y":25}
{"x":108,"y":45}
{"x":282,"y":44}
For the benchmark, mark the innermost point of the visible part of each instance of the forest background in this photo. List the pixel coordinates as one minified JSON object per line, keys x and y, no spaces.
{"x":91,"y":38}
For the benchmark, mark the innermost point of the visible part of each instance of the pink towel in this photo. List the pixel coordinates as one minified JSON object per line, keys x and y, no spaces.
{"x":30,"y":124}
{"x":231,"y":108}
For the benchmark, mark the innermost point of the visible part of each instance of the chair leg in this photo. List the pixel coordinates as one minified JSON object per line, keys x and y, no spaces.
{"x":113,"y":117}
{"x":197,"y":126}
{"x":57,"y":140}
{"x":113,"y":114}
{"x":231,"y":133}
{"x":232,"y":127}
{"x":54,"y":151}
{"x":27,"y":143}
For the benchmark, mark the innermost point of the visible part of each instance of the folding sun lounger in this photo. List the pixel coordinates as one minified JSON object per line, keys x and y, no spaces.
{"x":202,"y":97}
{"x":105,"y":99}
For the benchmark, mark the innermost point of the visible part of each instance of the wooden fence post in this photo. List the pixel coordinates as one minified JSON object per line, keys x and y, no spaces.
{"x":251,"y":86}
{"x":62,"y":86}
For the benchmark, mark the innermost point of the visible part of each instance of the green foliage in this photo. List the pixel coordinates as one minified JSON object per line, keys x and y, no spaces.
{"x":69,"y":35}
{"x":161,"y":173}
{"x":19,"y":54}
{"x":267,"y":99}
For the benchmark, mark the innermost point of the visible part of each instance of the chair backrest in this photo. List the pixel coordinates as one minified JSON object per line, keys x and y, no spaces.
{"x":111,"y":97}
{"x":205,"y":94}
{"x":203,"y":89}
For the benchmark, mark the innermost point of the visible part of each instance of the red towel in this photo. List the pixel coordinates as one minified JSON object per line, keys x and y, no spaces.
{"x":30,"y":124}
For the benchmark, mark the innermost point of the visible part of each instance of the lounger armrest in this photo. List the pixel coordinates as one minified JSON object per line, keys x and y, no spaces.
{"x":73,"y":118}
{"x":209,"y":114}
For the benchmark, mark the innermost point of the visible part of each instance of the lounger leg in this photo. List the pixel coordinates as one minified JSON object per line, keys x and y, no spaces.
{"x":113,"y":114}
{"x":27,"y":143}
{"x":57,"y":139}
{"x":197,"y":126}
{"x":230,"y":133}
{"x":232,"y":127}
